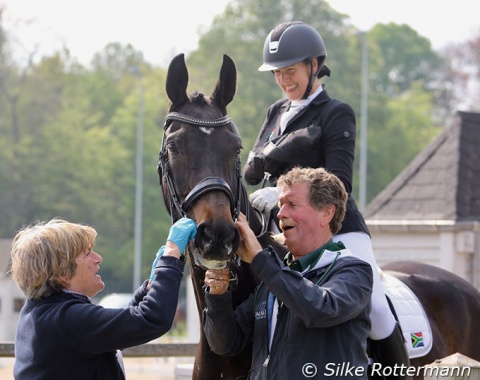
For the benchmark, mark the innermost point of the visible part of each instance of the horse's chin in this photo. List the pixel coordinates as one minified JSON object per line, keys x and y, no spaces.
{"x":211,"y":264}
{"x":207,"y":263}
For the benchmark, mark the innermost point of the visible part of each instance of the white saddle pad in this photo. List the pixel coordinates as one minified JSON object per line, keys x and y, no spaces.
{"x":411,"y":315}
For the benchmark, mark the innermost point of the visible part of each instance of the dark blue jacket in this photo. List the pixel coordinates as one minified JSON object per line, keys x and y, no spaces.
{"x":322,"y":322}
{"x":66,"y":337}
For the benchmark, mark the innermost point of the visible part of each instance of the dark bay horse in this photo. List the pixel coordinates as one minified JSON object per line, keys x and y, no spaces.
{"x":200,"y":175}
{"x":451,"y":304}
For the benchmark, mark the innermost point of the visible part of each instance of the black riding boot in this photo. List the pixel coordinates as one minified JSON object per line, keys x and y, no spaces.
{"x":391,"y":353}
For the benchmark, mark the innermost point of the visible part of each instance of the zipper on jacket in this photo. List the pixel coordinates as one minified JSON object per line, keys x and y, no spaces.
{"x":265,"y":363}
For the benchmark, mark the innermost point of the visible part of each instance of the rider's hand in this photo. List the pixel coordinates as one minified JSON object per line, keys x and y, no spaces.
{"x":181,"y":232}
{"x":254,"y":170}
{"x":264,"y":200}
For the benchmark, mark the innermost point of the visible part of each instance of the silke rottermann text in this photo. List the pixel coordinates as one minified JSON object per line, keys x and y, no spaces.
{"x":346,"y":369}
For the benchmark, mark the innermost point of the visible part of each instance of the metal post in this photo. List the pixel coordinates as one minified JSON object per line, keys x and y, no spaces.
{"x":363,"y":124}
{"x":137,"y":262}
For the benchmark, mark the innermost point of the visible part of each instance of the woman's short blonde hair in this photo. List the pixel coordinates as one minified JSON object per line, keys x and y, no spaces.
{"x":42,"y":253}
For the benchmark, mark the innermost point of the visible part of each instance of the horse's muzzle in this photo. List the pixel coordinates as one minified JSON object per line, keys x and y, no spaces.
{"x":215,"y":244}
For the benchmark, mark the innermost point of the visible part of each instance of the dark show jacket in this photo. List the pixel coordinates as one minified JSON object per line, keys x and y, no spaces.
{"x":333,"y":147}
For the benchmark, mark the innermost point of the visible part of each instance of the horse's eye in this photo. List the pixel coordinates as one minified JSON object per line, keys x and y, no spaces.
{"x":172,"y":148}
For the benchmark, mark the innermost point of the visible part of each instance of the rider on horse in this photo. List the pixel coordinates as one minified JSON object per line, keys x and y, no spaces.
{"x":310,"y":129}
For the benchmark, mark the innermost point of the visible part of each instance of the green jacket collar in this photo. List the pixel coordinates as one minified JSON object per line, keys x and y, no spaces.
{"x":311,"y":259}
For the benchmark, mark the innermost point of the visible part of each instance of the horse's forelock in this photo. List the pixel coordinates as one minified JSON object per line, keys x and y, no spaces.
{"x":201,"y":106}
{"x":198,"y":98}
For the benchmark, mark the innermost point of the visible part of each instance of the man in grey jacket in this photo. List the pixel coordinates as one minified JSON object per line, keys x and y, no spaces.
{"x":309,"y":316}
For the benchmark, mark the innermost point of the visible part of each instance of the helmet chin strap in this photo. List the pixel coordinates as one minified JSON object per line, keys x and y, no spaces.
{"x":313,"y":75}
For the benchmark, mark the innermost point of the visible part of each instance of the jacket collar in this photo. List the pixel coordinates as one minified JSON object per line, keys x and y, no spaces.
{"x":319,"y":258}
{"x":321,"y":98}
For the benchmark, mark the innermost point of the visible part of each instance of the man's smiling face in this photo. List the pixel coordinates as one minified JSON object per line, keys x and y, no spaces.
{"x":300,"y":222}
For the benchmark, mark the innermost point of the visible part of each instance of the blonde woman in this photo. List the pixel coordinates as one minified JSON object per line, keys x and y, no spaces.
{"x":61,"y":334}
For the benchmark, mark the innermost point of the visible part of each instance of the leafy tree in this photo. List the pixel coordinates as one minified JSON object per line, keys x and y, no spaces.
{"x":155,"y":220}
{"x":402,"y":73}
{"x":29,"y":104}
{"x":407,"y":58}
{"x":407,"y":130}
{"x":459,"y":81}
{"x":70,"y":151}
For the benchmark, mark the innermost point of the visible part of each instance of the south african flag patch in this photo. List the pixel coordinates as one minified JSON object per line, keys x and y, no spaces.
{"x":417,"y":340}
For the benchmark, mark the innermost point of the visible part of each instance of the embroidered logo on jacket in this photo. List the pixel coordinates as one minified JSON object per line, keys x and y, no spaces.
{"x":261,"y":312}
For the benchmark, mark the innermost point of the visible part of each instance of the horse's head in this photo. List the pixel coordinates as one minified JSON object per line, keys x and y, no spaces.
{"x":199,"y":164}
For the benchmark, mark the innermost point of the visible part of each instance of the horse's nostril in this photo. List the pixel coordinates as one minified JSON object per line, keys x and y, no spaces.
{"x":218,"y":237}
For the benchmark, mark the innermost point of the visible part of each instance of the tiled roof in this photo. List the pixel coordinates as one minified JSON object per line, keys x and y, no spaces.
{"x":441,"y":183}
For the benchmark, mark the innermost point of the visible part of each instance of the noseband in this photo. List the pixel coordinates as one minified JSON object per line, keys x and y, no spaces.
{"x":207,"y":184}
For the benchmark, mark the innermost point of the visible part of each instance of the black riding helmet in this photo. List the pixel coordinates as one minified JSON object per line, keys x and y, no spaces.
{"x":292,"y":42}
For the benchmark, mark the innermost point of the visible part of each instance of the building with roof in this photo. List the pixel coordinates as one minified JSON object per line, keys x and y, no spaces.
{"x":431,"y":211}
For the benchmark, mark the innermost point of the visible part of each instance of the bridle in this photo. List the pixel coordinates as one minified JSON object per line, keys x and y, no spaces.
{"x":177,"y":209}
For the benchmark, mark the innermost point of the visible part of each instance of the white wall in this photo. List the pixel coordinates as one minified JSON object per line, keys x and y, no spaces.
{"x":9,"y":291}
{"x":193,"y":320}
{"x":455,"y":248}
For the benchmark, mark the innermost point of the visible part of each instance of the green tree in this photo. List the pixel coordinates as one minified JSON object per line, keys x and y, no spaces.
{"x":402,"y":74}
{"x":70,"y":151}
{"x":155,"y":221}
{"x":407,"y":131}
{"x":406,"y":58}
{"x":32,"y":98}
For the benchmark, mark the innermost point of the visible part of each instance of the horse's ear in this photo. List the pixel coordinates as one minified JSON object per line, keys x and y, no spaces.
{"x":226,"y":86}
{"x":177,"y":81}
